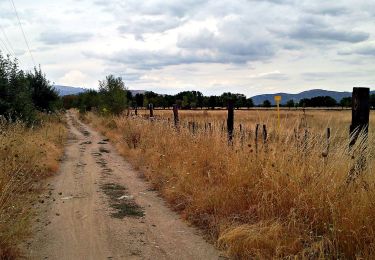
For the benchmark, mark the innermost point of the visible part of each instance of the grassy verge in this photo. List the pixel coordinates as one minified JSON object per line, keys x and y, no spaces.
{"x":290,"y":197}
{"x":27,"y":156}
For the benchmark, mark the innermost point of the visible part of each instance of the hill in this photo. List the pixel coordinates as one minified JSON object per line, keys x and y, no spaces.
{"x":69,"y":90}
{"x":337,"y":95}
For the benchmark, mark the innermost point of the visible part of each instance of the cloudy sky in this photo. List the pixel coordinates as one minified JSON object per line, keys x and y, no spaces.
{"x":245,"y":46}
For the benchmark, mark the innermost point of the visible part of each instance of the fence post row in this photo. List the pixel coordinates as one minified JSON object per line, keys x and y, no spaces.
{"x":230,"y":120}
{"x":360,"y":113}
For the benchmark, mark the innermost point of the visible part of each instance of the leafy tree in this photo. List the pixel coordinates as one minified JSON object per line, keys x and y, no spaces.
{"x":266,"y":103}
{"x":114,"y":94}
{"x":15,"y":94}
{"x":139,"y":99}
{"x":346,"y":102}
{"x":44,"y":96}
{"x":372,"y":100}
{"x":249,"y":103}
{"x":320,"y":101}
{"x":290,"y":103}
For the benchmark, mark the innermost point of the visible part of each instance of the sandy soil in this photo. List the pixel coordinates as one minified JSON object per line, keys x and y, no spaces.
{"x":97,"y":207}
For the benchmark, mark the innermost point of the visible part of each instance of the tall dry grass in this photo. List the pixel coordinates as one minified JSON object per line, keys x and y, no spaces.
{"x":288,"y":197}
{"x":27,"y":156}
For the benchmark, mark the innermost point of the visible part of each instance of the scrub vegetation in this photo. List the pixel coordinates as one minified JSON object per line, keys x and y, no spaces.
{"x":295,"y":193}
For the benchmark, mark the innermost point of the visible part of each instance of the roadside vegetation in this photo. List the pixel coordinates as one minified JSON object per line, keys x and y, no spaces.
{"x":293,"y":195}
{"x":32,"y":134}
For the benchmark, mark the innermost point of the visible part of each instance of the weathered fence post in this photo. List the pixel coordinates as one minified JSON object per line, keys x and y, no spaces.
{"x":136,"y":110}
{"x":151,"y":107}
{"x":360,"y":120}
{"x":230,"y":121}
{"x":256,"y":137}
{"x":175,"y":116}
{"x":360,"y":113}
{"x":264,"y":133}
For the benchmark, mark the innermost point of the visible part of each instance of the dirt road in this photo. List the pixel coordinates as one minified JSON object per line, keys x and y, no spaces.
{"x":98,"y":208}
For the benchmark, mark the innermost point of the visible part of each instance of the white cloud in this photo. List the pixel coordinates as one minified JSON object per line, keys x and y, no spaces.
{"x":244,"y":46}
{"x":73,"y":78}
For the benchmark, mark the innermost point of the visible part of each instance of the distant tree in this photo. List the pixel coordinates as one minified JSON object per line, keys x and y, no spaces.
{"x":346,"y":102}
{"x":372,"y":100}
{"x":70,"y":101}
{"x":304,"y":102}
{"x":320,"y":101}
{"x":91,"y":99}
{"x":114,"y":94}
{"x":139,"y":99}
{"x":290,"y":103}
{"x":212,"y":102}
{"x":266,"y":103}
{"x":249,"y":103}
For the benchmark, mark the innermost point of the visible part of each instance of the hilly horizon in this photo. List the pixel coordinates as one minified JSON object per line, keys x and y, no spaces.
{"x":257,"y":99}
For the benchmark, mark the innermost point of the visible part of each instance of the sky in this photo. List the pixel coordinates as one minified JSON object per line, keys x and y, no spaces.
{"x":242,"y":46}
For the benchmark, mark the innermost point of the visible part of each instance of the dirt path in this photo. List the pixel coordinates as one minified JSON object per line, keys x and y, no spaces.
{"x":98,"y":208}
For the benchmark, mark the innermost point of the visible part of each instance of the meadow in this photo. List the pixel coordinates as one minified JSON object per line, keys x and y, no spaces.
{"x":293,"y":193}
{"x":27,"y":156}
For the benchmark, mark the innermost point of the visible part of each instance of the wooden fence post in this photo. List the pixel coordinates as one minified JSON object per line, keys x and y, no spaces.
{"x":230,"y":120}
{"x":175,"y":116}
{"x":136,"y":110}
{"x":360,"y":113}
{"x":151,"y":107}
{"x":264,"y":133}
{"x":256,"y":138}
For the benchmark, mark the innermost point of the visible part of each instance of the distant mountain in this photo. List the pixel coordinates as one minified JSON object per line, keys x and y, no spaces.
{"x":68,"y":90}
{"x":337,"y":95}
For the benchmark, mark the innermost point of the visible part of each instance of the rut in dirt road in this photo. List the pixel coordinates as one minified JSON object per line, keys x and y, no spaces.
{"x":100,"y":209}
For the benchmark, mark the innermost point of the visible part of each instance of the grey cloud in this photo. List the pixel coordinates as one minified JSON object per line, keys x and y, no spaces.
{"x":367,"y":49}
{"x":323,"y":76}
{"x":152,"y":7}
{"x":274,"y":76}
{"x":329,"y":34}
{"x":317,"y":30}
{"x":237,"y":40}
{"x":56,"y":37}
{"x":158,"y":25}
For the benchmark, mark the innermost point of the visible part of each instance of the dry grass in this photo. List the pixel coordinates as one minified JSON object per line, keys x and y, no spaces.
{"x":27,"y":155}
{"x":281,"y":199}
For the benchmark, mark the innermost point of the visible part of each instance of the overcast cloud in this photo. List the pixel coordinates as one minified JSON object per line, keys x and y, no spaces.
{"x":246,"y":46}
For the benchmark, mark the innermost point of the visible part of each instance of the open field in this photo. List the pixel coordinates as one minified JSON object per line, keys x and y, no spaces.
{"x":290,"y":195}
{"x":27,"y":156}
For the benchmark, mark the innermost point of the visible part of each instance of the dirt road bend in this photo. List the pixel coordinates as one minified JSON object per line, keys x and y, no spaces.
{"x":98,"y":208}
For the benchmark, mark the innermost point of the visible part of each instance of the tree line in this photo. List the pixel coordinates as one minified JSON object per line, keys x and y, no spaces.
{"x":23,"y":94}
{"x":113,"y":97}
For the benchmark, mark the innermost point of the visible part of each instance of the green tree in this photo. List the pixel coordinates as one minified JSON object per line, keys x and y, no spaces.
{"x":266,"y":103}
{"x":290,"y":103}
{"x":114,"y":94}
{"x":372,"y":100}
{"x":346,"y":102}
{"x":44,"y":96}
{"x":249,"y":103}
{"x":15,"y":94}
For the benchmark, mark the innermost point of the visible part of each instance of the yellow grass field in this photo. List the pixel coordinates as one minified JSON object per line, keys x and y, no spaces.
{"x":27,"y":156}
{"x":293,"y":195}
